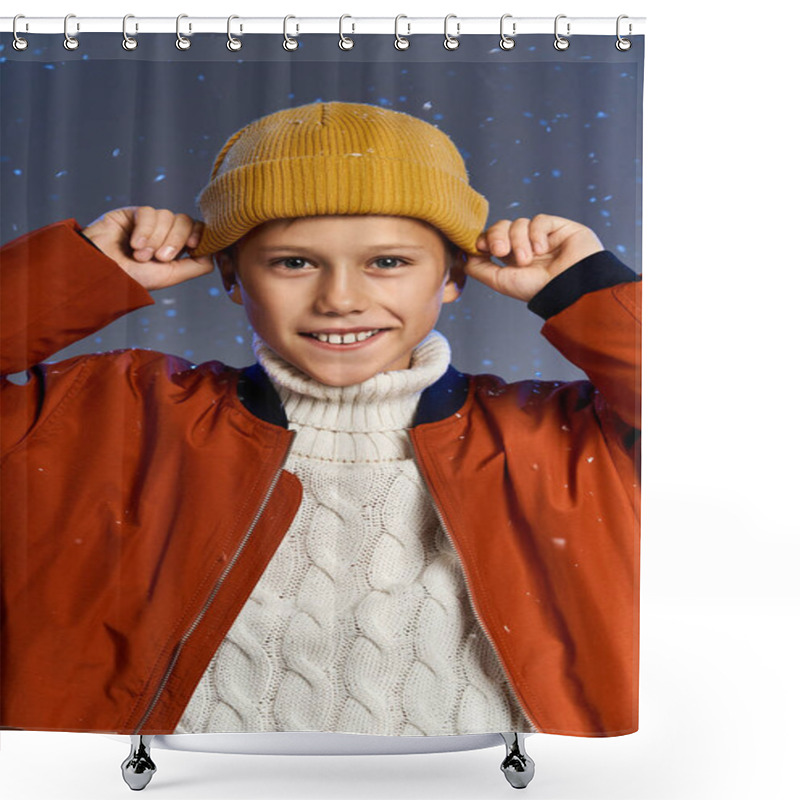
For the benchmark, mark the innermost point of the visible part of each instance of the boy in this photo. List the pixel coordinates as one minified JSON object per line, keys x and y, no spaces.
{"x":349,"y":535}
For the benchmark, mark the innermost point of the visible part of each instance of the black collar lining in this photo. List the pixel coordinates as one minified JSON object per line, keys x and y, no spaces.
{"x":440,"y":400}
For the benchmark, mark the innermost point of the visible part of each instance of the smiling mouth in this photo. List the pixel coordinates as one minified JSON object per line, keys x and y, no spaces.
{"x":345,"y":338}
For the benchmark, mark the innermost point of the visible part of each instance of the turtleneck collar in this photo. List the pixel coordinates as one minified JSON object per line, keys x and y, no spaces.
{"x":382,"y":405}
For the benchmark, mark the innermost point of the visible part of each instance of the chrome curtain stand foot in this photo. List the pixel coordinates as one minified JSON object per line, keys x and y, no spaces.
{"x":138,"y":768}
{"x":517,"y":766}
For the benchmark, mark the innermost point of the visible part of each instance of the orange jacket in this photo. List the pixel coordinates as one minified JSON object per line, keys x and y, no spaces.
{"x":142,"y":498}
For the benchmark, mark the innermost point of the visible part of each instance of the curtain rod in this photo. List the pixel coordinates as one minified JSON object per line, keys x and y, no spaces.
{"x":297,"y":25}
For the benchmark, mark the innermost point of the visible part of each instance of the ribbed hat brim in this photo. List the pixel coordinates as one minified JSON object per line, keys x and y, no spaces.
{"x":341,"y":184}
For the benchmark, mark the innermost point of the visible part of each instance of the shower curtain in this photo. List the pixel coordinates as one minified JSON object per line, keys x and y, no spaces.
{"x":481,"y":577}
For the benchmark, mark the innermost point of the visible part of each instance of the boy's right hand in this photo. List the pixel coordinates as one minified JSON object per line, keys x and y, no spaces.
{"x":147,"y":242}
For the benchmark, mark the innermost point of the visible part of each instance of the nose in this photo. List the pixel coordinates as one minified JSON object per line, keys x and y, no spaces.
{"x":341,"y":291}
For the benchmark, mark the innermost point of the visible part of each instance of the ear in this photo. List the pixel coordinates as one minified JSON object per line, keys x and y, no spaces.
{"x":227,"y":269}
{"x":456,"y":279}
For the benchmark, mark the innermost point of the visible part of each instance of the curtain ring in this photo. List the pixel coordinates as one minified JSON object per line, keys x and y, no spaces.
{"x":344,"y":41}
{"x":561,"y":43}
{"x":451,"y":42}
{"x":182,"y":43}
{"x":128,"y":42}
{"x":289,"y":43}
{"x":233,"y":44}
{"x":19,"y":43}
{"x":400,"y":42}
{"x":70,"y":42}
{"x":506,"y":42}
{"x":623,"y":44}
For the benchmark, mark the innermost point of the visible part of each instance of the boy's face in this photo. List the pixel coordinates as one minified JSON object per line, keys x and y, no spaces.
{"x":342,"y":298}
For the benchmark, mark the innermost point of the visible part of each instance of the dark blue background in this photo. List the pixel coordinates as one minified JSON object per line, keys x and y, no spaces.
{"x":86,"y":131}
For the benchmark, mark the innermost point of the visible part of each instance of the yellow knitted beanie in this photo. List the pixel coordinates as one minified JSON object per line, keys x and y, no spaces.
{"x":339,"y":158}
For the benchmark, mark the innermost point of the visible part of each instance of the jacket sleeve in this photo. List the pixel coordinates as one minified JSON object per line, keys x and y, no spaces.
{"x":55,"y":288}
{"x":593,"y":317}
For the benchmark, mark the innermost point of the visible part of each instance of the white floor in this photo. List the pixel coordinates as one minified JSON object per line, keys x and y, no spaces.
{"x":719,"y":710}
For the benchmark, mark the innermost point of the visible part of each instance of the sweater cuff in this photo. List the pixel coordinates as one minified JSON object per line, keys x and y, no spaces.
{"x":598,"y":271}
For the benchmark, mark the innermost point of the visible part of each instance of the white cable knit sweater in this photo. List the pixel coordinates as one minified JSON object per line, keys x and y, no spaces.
{"x":361,"y":622}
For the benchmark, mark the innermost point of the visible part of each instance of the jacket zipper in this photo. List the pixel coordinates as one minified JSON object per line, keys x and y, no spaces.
{"x":198,"y":618}
{"x":470,"y":597}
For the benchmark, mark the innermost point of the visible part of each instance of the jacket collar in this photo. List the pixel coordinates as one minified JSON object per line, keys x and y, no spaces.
{"x":441,"y":399}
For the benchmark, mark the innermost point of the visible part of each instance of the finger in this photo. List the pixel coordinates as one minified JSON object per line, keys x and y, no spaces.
{"x":159,"y":223}
{"x":482,"y":270}
{"x":497,"y":238}
{"x":519,"y":235}
{"x":481,"y":243}
{"x":177,"y":237}
{"x":145,"y":238}
{"x":196,"y":234}
{"x":165,"y":222}
{"x":544,"y":232}
{"x":144,"y":223}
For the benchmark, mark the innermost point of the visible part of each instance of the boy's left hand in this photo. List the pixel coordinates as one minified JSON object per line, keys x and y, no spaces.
{"x":533,"y":251}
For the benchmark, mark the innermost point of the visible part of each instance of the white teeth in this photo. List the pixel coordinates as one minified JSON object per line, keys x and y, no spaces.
{"x":347,"y":338}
